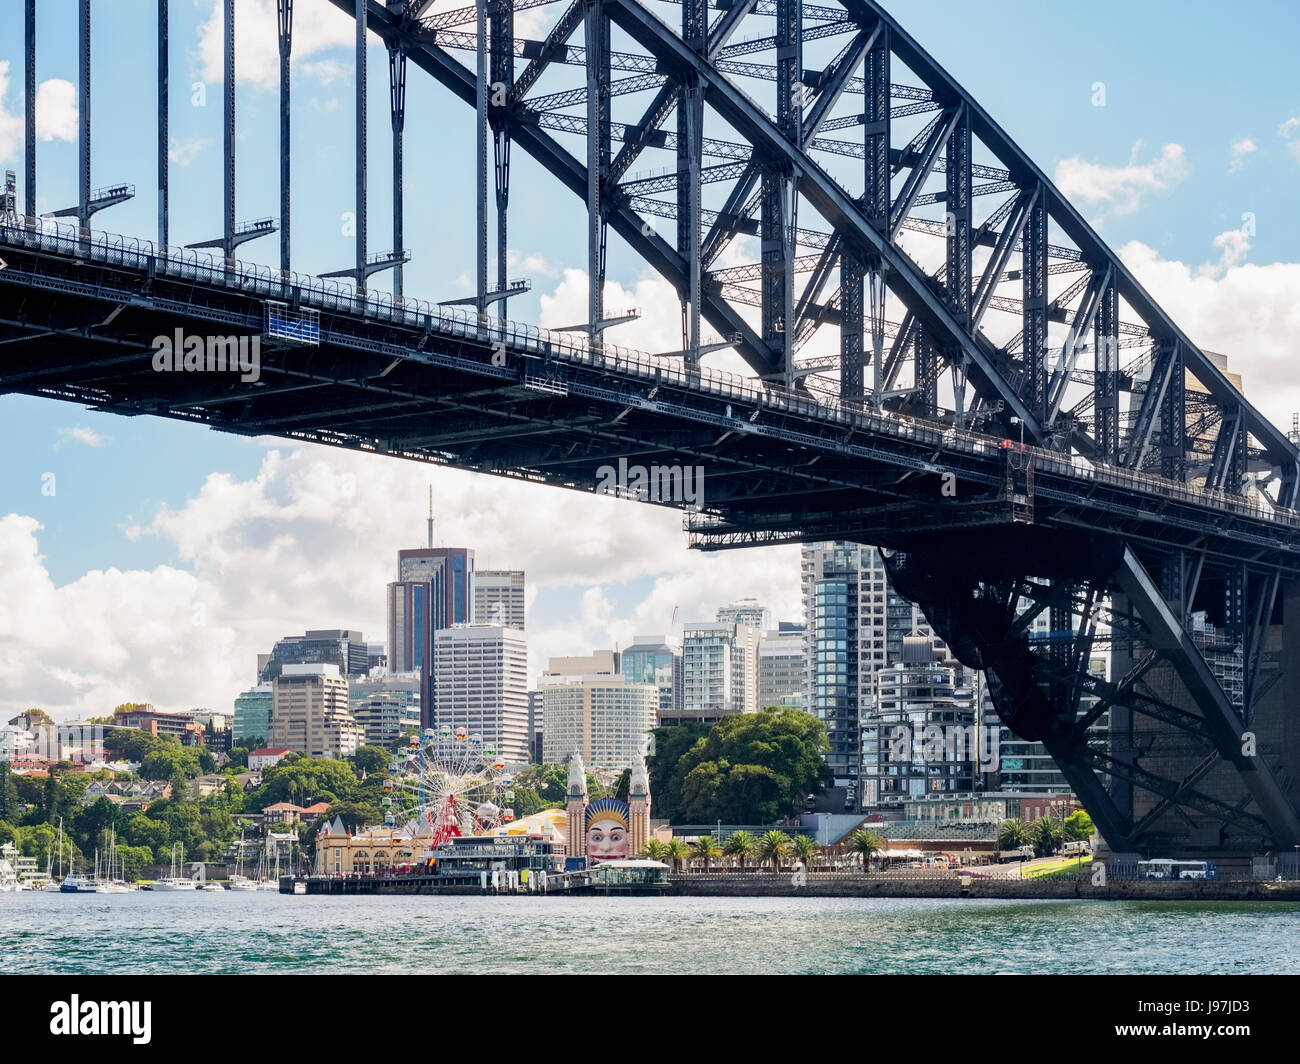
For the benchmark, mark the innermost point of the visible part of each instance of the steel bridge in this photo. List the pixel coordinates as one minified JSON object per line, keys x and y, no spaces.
{"x":943,"y":360}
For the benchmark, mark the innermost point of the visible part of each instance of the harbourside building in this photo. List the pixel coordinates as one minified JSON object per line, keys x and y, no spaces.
{"x":719,"y":670}
{"x":855,"y":624}
{"x":919,"y":734}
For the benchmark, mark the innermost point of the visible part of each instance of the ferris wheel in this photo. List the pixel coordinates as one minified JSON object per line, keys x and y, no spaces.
{"x":450,"y":782}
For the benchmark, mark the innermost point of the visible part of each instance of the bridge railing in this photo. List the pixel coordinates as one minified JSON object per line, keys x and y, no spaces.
{"x":190,"y":264}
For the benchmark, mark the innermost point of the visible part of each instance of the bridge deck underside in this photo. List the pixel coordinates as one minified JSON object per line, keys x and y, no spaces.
{"x":776,"y":467}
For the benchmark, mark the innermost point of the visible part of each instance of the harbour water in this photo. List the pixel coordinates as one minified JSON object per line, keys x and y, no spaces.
{"x":204,"y":932}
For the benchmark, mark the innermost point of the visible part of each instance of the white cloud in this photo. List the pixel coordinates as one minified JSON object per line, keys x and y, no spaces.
{"x":257,"y":49}
{"x":81,"y":434}
{"x":1243,"y":310}
{"x":1120,"y":189}
{"x":326,"y":71}
{"x":1240,"y":149}
{"x":1291,"y":125}
{"x":184,"y":152}
{"x":56,"y":110}
{"x":56,"y":113}
{"x":11,"y":124}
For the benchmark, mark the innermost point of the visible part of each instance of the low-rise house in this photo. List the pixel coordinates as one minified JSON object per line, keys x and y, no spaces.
{"x":267,"y":756}
{"x":206,"y":786}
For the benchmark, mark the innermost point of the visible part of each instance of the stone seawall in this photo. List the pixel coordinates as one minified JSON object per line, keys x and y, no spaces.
{"x":781,"y":886}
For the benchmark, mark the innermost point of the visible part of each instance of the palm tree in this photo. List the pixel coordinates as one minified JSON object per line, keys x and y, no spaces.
{"x":740,"y":844}
{"x":706,"y":849}
{"x":677,"y":852}
{"x":806,"y":850}
{"x":1012,"y":834}
{"x":1046,"y":836}
{"x":654,"y":850}
{"x":866,"y":844}
{"x":774,"y":847}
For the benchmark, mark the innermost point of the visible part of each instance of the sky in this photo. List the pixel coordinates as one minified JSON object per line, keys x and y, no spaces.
{"x":143,"y":560}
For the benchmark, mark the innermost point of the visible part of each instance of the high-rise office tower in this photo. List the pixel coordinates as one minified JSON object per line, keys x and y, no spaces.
{"x":345,"y":648}
{"x":253,"y":713}
{"x":309,"y":712}
{"x":499,"y":597}
{"x":652,"y":659}
{"x":480,"y":682}
{"x":433,"y":590}
{"x":386,"y":706}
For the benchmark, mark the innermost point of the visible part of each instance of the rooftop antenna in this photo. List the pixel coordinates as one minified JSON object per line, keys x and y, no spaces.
{"x":430,"y":516}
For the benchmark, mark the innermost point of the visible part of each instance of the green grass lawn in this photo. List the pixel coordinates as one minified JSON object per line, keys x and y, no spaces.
{"x":1054,"y":867}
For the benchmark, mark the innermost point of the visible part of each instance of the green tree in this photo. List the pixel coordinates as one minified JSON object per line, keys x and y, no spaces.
{"x":134,"y":858}
{"x":866,"y":844}
{"x":1046,"y":836}
{"x":677,"y":852}
{"x":526,"y":802}
{"x":144,"y":831}
{"x":1012,"y":834}
{"x":622,"y":785}
{"x":706,"y":849}
{"x":668,"y":767}
{"x":699,"y":794}
{"x":805,"y":849}
{"x":8,"y":795}
{"x":774,"y":847}
{"x":357,"y":815}
{"x":740,"y":845}
{"x":1078,"y":826}
{"x":749,"y":768}
{"x":372,"y":760}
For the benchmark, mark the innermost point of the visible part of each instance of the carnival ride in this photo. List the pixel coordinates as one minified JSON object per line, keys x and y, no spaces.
{"x":448,"y":782}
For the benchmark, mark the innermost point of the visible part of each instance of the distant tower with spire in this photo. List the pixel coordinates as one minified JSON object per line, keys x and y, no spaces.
{"x":434,"y":589}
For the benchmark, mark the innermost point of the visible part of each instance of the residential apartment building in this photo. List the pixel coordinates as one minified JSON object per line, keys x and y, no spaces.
{"x":781,"y":667}
{"x":607,"y":719}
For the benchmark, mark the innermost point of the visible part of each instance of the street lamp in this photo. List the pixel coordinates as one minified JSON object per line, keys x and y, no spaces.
{"x":1018,"y":421}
